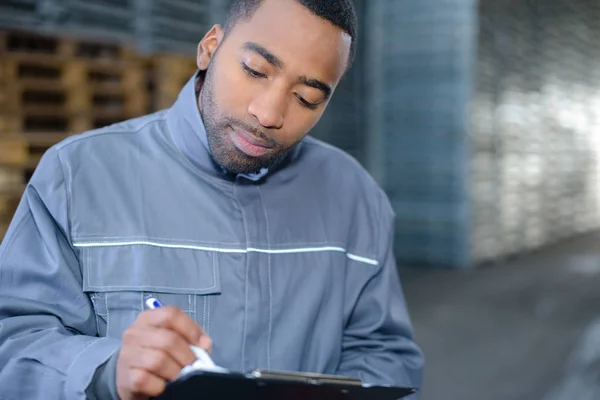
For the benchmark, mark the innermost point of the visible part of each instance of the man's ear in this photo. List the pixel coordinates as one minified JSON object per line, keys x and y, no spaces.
{"x":208,"y":46}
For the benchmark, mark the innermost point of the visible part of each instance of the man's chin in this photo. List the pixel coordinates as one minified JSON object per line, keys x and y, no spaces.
{"x":238,"y":169}
{"x":242,"y":164}
{"x":234,"y":161}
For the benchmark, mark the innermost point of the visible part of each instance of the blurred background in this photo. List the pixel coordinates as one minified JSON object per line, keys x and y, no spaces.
{"x":481,"y":120}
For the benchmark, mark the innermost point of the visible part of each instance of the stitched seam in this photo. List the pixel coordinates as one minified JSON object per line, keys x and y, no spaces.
{"x":77,"y":358}
{"x":245,"y":328}
{"x":107,"y":315}
{"x":208,"y":316}
{"x":96,"y":313}
{"x":207,"y":322}
{"x":270,"y":282}
{"x":68,"y":194}
{"x":194,"y":308}
{"x":6,"y":244}
{"x":204,"y":311}
{"x":150,"y":287}
{"x":379,"y":233}
{"x":88,"y":268}
{"x":93,"y":134}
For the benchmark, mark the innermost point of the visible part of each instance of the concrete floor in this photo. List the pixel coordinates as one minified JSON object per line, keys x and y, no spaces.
{"x":525,"y":330}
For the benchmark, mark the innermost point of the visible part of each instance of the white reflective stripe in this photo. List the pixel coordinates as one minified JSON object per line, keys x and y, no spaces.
{"x":222,"y":250}
{"x":362,"y":259}
{"x":165,"y":245}
{"x":298,"y":250}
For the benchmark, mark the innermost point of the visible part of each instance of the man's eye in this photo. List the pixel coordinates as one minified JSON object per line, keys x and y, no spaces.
{"x":304,"y":103}
{"x":252,"y":73}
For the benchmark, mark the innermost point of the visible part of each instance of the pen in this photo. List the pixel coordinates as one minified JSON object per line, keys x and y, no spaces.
{"x":200,"y":353}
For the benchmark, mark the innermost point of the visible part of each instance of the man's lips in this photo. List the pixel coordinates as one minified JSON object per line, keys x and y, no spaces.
{"x":250,"y":138}
{"x":249,"y":144}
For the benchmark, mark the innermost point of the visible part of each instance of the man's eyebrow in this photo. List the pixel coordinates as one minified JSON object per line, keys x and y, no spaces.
{"x":317,"y":84}
{"x":267,"y":55}
{"x":275,"y":61}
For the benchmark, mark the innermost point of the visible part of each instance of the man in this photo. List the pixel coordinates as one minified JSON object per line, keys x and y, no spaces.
{"x":268,"y":247}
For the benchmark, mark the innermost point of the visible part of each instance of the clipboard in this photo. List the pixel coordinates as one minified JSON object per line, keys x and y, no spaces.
{"x":273,"y":385}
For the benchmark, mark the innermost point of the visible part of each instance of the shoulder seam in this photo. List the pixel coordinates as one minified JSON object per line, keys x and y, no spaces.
{"x":346,"y":156}
{"x":61,"y":146}
{"x":320,"y":143}
{"x":18,"y":225}
{"x":68,"y":195}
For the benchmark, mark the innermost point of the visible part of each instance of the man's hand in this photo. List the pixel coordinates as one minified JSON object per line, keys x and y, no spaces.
{"x":155,"y":348}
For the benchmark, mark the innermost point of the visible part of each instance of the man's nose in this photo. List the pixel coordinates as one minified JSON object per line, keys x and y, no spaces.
{"x":269,"y":108}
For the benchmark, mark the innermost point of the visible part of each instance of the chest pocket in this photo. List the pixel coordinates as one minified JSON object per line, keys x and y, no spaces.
{"x":119,"y":278}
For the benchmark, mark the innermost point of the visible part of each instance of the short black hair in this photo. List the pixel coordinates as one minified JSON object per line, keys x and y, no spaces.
{"x":340,"y":13}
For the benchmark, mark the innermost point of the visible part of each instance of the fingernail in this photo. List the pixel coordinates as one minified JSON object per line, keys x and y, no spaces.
{"x":206,"y":343}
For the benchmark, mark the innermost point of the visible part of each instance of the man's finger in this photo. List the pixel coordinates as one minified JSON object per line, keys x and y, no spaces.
{"x":206,"y":343}
{"x":157,"y":362}
{"x":175,"y":319}
{"x":161,"y":339}
{"x":142,"y":382}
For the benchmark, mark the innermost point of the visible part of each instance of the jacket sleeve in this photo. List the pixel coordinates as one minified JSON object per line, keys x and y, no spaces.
{"x":377,"y":344}
{"x":48,"y":335}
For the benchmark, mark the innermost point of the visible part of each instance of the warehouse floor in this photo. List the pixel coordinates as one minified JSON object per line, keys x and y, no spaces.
{"x":525,"y":330}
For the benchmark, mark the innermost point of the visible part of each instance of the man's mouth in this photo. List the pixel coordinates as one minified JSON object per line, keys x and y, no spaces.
{"x":248,"y":143}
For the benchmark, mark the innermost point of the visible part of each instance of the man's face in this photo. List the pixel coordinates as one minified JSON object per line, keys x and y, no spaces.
{"x":268,"y":83}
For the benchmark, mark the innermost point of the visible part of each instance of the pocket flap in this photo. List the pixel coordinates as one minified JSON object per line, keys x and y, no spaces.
{"x":150,"y":268}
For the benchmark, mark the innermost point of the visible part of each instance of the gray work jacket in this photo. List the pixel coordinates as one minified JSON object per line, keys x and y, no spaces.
{"x":290,"y":269}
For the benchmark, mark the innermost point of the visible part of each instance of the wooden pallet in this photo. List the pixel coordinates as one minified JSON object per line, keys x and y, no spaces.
{"x":3,"y":229}
{"x":13,"y":152}
{"x":14,"y":157}
{"x":41,"y":93}
{"x":67,"y":84}
{"x":13,"y":160}
{"x":52,"y":87}
{"x":23,"y":42}
{"x":11,"y":180}
{"x":121,"y":88}
{"x":8,"y":206}
{"x":36,"y":93}
{"x":168,"y":74}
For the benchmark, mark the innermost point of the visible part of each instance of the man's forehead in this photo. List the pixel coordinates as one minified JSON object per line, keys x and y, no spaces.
{"x":297,"y":37}
{"x":291,"y":16}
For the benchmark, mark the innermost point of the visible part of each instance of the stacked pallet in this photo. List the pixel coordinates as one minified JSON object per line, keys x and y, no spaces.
{"x":13,"y":161}
{"x":168,"y":73}
{"x":51,"y":87}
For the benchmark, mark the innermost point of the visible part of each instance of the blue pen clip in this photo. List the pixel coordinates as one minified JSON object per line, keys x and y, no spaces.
{"x":153,"y":303}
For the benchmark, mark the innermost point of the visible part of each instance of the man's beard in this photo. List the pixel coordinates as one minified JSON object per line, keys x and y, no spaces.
{"x":222,"y":149}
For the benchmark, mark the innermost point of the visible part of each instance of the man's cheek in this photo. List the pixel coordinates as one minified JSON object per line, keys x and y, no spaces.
{"x":235,"y":93}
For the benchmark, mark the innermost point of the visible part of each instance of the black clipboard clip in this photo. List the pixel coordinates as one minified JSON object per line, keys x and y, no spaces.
{"x":305,"y":377}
